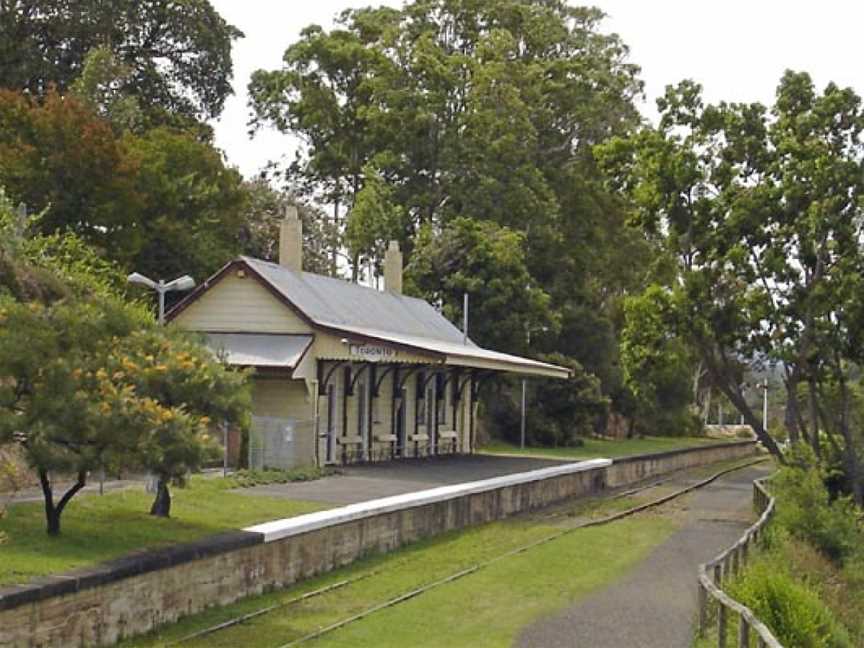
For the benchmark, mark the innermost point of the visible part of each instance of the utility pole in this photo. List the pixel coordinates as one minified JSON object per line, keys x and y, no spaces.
{"x":522,"y":439}
{"x":465,"y":319}
{"x":765,"y":405}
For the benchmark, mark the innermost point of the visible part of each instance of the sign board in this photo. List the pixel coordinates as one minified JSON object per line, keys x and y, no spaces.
{"x":372,"y":352}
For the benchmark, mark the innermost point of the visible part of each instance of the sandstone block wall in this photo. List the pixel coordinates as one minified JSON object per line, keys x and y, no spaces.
{"x":133,"y":595}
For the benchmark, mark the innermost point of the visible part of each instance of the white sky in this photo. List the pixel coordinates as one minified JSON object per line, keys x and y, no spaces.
{"x":737,"y":49}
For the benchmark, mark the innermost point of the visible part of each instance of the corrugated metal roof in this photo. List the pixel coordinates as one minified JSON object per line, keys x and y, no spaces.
{"x":387,"y":316}
{"x":259,"y":350}
{"x":338,"y":303}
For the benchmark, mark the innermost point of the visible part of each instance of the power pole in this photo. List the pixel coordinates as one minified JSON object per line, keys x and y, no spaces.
{"x":522,"y":440}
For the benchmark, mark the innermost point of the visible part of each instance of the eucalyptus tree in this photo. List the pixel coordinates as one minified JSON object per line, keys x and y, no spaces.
{"x":762,"y":212}
{"x":456,"y":109}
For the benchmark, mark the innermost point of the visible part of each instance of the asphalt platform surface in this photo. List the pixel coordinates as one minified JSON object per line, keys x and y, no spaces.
{"x":360,"y":483}
{"x":655,"y":604}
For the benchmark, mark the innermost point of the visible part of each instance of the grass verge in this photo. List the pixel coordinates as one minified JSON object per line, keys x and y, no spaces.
{"x":594,"y":448}
{"x":486,"y":608}
{"x":96,"y":528}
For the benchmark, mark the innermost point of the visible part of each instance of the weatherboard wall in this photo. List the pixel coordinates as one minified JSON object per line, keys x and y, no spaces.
{"x":131,"y":596}
{"x":239,"y":304}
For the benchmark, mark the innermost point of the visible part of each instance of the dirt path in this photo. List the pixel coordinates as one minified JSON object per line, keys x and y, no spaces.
{"x":654,"y":606}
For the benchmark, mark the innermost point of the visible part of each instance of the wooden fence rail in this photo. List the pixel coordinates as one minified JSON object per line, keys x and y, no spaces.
{"x":730,"y":562}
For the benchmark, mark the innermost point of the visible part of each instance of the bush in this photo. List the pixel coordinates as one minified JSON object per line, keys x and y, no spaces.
{"x":795,"y":614}
{"x":804,"y":508}
{"x":248,"y":478}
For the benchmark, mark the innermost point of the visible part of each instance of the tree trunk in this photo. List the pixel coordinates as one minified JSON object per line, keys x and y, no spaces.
{"x":52,"y":512}
{"x":791,"y":415}
{"x":162,"y":504}
{"x":814,"y":419}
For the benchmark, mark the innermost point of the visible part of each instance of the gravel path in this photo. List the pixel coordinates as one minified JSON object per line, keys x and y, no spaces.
{"x":654,"y":606}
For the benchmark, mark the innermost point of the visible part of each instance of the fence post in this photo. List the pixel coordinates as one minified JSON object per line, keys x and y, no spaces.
{"x":703,"y":609}
{"x":718,"y":574}
{"x":743,"y":633}
{"x":721,"y":626}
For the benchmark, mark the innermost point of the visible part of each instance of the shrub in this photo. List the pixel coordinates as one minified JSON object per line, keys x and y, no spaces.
{"x":805,"y":509}
{"x":795,"y":614}
{"x":248,"y":478}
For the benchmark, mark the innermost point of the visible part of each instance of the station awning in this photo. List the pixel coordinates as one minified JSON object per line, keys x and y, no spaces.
{"x":259,"y":349}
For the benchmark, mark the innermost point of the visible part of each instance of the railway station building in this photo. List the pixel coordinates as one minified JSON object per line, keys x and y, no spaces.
{"x":343,"y":372}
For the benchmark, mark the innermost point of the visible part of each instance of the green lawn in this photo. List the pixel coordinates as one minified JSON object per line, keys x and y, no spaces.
{"x":96,"y":528}
{"x":594,"y":448}
{"x":485,"y":609}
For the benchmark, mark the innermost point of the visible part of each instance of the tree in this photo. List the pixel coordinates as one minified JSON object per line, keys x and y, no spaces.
{"x":762,"y":215}
{"x":185,"y":393}
{"x":87,"y":381}
{"x":264,"y":210}
{"x":373,"y":221}
{"x":160,"y":202}
{"x":487,"y":262}
{"x":191,"y":208}
{"x":657,"y":366}
{"x":59,"y":153}
{"x":100,"y":86}
{"x":178,"y":53}
{"x":455,"y":109}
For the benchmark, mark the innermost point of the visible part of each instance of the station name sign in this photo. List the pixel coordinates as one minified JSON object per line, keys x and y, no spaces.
{"x":372,"y":352}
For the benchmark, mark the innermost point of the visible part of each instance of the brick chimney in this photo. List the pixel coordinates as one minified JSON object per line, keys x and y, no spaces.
{"x":291,"y":240}
{"x":393,"y":268}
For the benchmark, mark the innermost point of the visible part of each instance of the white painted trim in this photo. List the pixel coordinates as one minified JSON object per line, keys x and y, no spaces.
{"x":279,"y":529}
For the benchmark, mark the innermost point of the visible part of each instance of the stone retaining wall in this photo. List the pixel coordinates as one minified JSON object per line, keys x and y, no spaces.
{"x":130,"y":596}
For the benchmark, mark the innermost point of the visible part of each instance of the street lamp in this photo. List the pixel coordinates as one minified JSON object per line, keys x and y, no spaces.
{"x":180,"y":283}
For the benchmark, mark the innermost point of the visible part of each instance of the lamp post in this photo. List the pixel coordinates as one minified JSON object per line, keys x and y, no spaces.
{"x":180,"y":283}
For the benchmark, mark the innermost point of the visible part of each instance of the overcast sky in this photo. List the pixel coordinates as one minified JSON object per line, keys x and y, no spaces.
{"x":737,"y":49}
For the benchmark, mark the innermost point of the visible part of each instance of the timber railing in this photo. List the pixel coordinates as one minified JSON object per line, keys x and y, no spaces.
{"x":713,"y":573}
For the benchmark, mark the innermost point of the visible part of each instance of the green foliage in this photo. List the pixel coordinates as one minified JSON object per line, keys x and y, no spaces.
{"x":100,"y":86}
{"x":421,"y":120}
{"x":488,"y":262}
{"x":177,"y":54}
{"x":191,"y":207}
{"x":806,"y":510}
{"x":795,"y":613}
{"x":374,"y":220}
{"x":565,"y":411}
{"x":87,"y":381}
{"x":249,"y":478}
{"x":657,"y":367}
{"x":759,"y":210}
{"x":160,"y":202}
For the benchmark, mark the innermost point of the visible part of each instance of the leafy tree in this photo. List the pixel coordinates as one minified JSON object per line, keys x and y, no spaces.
{"x":191,"y":207}
{"x":184,"y":394}
{"x":160,"y":202}
{"x":178,"y":53}
{"x":264,"y":210}
{"x":59,"y":153}
{"x":762,"y":214}
{"x":657,"y":367}
{"x":487,"y":262}
{"x":373,"y":221}
{"x":100,"y":86}
{"x":455,"y":109}
{"x":87,"y":381}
